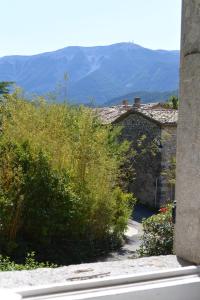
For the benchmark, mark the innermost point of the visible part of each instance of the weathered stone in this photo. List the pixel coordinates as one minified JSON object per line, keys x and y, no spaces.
{"x":45,"y":276}
{"x":158,"y":125}
{"x":187,"y":235}
{"x":150,"y":185}
{"x":190,"y":27}
{"x":168,"y":138}
{"x":147,"y":167}
{"x":153,"y":111}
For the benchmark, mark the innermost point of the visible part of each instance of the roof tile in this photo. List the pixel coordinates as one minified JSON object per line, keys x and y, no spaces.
{"x":157,"y":113}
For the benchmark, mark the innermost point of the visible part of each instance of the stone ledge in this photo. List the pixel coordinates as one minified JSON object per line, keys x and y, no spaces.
{"x":16,"y":279}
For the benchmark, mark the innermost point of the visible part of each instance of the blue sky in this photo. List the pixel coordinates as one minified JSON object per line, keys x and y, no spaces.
{"x":35,"y":26}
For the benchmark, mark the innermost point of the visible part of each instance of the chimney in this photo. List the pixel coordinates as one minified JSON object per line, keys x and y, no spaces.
{"x":125,"y":103}
{"x":137,"y":102}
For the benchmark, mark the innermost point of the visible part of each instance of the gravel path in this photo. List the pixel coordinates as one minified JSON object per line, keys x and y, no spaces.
{"x":133,"y":235}
{"x":132,"y":244}
{"x":71,"y":273}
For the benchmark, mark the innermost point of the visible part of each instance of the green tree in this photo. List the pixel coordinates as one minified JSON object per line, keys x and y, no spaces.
{"x":59,"y":181}
{"x":172,"y":102}
{"x":5,"y":87}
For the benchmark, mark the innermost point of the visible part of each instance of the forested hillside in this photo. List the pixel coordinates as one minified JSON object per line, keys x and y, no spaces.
{"x":96,"y":74}
{"x":147,"y":97}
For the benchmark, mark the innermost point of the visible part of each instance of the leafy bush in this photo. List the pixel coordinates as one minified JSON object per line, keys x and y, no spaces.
{"x":59,"y":182}
{"x":157,"y":238}
{"x":36,"y":202}
{"x":30,"y":264}
{"x":172,"y":102}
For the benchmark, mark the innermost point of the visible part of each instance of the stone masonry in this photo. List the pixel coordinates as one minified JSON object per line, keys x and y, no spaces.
{"x":74,"y":273}
{"x":147,"y":166}
{"x":155,"y":128}
{"x":187,"y":233}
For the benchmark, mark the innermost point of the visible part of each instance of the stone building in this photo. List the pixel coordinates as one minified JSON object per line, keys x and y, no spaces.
{"x":151,"y":129}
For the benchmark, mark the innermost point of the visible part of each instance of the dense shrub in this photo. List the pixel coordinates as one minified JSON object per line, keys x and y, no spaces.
{"x":59,"y":182}
{"x":36,"y":203}
{"x":157,"y":238}
{"x":29,"y":264}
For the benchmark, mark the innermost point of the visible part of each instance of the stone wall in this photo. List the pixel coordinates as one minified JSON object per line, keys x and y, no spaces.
{"x":74,"y":273}
{"x":147,"y":164}
{"x":168,"y":152}
{"x":187,"y":230}
{"x":147,"y":178}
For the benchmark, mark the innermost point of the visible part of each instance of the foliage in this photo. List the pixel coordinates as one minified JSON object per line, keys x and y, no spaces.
{"x":59,"y":181}
{"x":170,"y":174}
{"x":171,"y":171}
{"x":147,"y":97}
{"x":147,"y":155}
{"x":157,"y":238}
{"x":5,"y":86}
{"x":144,"y":146}
{"x":118,"y":73}
{"x":30,"y":264}
{"x":172,"y":102}
{"x":144,"y":158}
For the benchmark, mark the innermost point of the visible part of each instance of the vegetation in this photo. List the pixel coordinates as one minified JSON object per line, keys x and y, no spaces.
{"x":170,"y":174}
{"x":172,"y":102}
{"x":157,"y":238}
{"x":158,"y":233}
{"x":122,"y":68}
{"x":147,"y":97}
{"x":144,"y":158}
{"x":29,"y":264}
{"x":59,"y":182}
{"x":5,"y":87}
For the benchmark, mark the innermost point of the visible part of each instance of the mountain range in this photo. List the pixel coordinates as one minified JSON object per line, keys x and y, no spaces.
{"x":96,"y":74}
{"x":146,"y":97}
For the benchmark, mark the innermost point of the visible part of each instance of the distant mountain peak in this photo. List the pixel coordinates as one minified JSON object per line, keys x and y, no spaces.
{"x":126,"y":45}
{"x":100,"y":73}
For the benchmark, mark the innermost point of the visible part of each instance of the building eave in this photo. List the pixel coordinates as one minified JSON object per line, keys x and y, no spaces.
{"x":129,"y":112}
